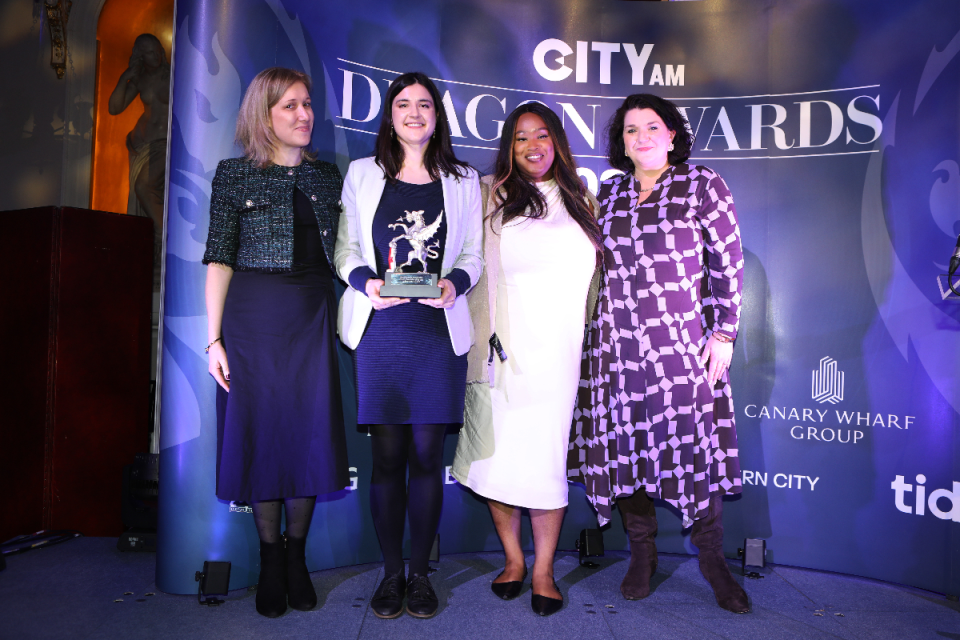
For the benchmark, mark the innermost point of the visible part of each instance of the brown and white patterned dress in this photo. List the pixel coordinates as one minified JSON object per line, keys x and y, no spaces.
{"x":647,"y":419}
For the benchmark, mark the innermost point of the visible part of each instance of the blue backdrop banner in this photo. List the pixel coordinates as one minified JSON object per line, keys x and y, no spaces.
{"x":834,"y":122}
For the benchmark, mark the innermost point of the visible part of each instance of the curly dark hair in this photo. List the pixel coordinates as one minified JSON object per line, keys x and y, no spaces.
{"x":438,"y":158}
{"x":682,"y":140}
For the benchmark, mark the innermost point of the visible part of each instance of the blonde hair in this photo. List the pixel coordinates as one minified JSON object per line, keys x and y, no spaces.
{"x":254,"y":123}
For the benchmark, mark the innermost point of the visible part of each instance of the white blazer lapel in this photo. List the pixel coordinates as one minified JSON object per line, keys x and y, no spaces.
{"x":368,"y":199}
{"x":451,"y":209}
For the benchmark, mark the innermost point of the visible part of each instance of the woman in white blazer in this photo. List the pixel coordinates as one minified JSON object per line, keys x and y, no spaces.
{"x":411,"y":359}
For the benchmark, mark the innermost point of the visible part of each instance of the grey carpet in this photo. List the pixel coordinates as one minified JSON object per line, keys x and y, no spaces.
{"x":70,"y":591}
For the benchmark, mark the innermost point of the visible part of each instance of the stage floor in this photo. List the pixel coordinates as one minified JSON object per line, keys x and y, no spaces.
{"x":70,"y":591}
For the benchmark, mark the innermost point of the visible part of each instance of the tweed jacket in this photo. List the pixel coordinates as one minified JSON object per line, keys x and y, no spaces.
{"x":482,"y":299}
{"x":251,"y":212}
{"x":362,"y":190}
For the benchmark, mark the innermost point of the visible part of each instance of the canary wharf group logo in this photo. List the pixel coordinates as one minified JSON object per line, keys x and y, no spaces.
{"x":827,"y":382}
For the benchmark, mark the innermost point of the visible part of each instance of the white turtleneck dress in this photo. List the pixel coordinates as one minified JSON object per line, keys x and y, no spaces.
{"x":513,"y":446}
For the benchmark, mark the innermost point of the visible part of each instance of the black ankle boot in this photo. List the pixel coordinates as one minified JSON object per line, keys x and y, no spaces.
{"x":272,"y":585}
{"x":300,"y":592}
{"x":707,"y":536}
{"x":640,"y":522}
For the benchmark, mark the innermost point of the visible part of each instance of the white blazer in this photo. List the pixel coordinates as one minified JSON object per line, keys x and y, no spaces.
{"x":362,"y":189}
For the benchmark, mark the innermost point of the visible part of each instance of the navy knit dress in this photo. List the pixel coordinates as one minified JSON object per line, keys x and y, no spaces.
{"x":407,"y":372}
{"x":280,"y":428}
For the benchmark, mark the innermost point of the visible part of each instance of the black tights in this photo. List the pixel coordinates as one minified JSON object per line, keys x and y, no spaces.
{"x":266,"y":515}
{"x":395,"y":446}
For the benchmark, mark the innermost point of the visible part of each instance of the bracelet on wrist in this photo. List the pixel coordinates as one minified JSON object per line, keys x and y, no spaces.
{"x":207,"y":349}
{"x":722,"y":337}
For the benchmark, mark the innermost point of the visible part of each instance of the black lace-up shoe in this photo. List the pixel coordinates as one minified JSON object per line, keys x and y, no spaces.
{"x":421,"y":600}
{"x":388,"y":600}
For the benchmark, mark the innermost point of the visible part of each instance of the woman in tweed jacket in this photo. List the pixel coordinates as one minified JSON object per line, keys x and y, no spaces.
{"x":270,"y":304}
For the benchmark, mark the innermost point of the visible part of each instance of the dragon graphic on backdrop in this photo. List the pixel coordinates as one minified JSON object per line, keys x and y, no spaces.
{"x":907,"y":305}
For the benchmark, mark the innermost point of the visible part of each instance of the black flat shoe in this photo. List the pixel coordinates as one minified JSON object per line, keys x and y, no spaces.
{"x":421,"y":600}
{"x":387,"y":602}
{"x":544,"y":606}
{"x":508,"y":590}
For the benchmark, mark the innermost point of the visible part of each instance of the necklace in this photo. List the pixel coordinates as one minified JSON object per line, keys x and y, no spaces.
{"x":655,"y":182}
{"x":640,"y":191}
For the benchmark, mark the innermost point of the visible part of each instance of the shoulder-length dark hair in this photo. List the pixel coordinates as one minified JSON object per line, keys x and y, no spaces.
{"x":254,"y":122}
{"x":668,"y":112}
{"x":518,"y":197}
{"x":438,"y":158}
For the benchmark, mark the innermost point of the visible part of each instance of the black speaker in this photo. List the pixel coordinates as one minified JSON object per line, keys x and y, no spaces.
{"x":754,"y":554}
{"x":138,"y":505}
{"x":214,"y":580}
{"x":590,"y":545}
{"x":137,"y":540}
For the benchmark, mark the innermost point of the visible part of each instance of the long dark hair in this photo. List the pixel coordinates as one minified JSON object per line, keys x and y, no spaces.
{"x":519,"y":197}
{"x":438,"y":158}
{"x":668,"y":112}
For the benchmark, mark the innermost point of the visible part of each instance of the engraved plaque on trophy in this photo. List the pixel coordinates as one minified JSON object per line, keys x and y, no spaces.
{"x":412,"y":284}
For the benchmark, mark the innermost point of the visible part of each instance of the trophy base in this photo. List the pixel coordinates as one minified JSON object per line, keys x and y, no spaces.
{"x":410,"y":285}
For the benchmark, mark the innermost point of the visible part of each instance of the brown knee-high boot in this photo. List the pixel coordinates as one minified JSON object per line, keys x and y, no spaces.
{"x":640,"y":523}
{"x":707,"y":536}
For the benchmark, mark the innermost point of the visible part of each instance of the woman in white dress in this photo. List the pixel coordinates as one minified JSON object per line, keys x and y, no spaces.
{"x":541,"y":244}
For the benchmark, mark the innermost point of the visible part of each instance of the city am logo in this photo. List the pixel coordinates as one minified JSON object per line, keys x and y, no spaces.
{"x":827,"y":382}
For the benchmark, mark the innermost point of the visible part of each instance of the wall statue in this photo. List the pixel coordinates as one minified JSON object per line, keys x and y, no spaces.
{"x":149,"y":77}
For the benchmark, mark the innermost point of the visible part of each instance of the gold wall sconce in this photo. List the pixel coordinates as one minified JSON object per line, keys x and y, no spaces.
{"x":57,"y":13}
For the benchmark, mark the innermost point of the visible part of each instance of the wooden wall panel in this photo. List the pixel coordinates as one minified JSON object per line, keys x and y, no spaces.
{"x":76,"y":292}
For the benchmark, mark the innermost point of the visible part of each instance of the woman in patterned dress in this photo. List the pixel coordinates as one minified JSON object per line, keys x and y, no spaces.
{"x":655,"y":415}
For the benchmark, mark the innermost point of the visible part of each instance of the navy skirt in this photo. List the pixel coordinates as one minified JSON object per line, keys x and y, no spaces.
{"x":407,"y":372}
{"x":280,"y":428}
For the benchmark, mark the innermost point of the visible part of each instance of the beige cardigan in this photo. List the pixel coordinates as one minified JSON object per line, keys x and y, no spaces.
{"x":482,"y":299}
